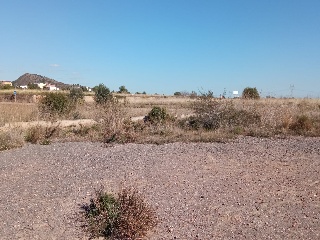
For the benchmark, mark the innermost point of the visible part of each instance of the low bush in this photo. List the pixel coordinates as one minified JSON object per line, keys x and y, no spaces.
{"x":126,"y":216}
{"x":114,"y":124}
{"x":76,"y":95}
{"x":212,"y":114}
{"x":33,"y":135}
{"x":53,"y":105}
{"x":9,"y":140}
{"x":158,"y":115}
{"x":301,"y":125}
{"x":39,"y":134}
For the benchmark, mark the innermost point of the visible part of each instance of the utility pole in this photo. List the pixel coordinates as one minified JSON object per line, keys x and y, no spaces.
{"x":224,"y":93}
{"x":291,"y":90}
{"x":15,"y":94}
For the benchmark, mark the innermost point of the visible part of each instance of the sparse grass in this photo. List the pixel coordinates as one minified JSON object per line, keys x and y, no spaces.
{"x":10,"y":139}
{"x":126,"y":216}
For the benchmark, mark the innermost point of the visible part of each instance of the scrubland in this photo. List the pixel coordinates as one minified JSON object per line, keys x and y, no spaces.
{"x":185,"y":119}
{"x":255,"y":177}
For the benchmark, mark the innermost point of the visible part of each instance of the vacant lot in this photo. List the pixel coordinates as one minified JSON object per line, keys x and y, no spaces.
{"x":249,"y":188}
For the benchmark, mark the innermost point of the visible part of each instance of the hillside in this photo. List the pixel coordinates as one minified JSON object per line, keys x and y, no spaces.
{"x":27,"y":78}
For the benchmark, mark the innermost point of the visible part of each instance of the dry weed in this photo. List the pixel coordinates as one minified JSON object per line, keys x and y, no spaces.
{"x":126,"y":216}
{"x":114,"y":124}
{"x":17,"y":112}
{"x":40,"y":134}
{"x":10,"y":139}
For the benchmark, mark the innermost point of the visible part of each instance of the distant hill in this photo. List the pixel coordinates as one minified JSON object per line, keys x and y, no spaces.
{"x":27,"y":78}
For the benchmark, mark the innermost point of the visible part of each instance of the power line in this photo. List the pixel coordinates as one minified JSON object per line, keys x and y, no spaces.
{"x":291,"y":90}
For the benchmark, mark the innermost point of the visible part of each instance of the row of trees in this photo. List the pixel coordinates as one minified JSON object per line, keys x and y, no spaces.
{"x":101,"y":91}
{"x":122,"y":89}
{"x":248,"y":93}
{"x":103,"y":94}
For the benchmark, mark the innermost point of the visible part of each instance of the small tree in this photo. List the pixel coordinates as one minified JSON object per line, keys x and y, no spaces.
{"x":76,"y":95}
{"x":102,"y":94}
{"x":122,"y":89}
{"x":33,"y":86}
{"x":54,"y":104}
{"x":250,"y":93}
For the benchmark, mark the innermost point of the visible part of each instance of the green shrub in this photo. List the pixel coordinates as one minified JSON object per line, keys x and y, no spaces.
{"x":102,"y":94}
{"x":126,"y":216}
{"x":123,"y":89}
{"x":250,"y":93}
{"x":54,"y":104}
{"x":158,"y":115}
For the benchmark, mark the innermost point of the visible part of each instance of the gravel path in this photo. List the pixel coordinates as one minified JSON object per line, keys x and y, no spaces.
{"x":247,"y":189}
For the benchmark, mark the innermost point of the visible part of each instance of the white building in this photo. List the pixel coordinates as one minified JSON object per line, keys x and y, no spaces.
{"x":52,"y":88}
{"x":41,"y":85}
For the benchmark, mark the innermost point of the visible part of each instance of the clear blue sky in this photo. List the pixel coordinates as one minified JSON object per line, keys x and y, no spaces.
{"x":164,"y":46}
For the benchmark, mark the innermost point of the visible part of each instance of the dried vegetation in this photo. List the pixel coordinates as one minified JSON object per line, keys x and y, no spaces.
{"x":125,"y":216}
{"x":168,"y":119}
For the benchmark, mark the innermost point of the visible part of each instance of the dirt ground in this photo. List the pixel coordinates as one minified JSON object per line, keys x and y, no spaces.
{"x":249,"y":188}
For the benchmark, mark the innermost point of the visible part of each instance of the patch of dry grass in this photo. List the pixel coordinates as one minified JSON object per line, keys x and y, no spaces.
{"x":17,"y":112}
{"x":10,"y":139}
{"x":40,"y":134}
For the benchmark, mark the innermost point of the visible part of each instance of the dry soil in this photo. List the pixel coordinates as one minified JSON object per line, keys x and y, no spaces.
{"x":249,"y":188}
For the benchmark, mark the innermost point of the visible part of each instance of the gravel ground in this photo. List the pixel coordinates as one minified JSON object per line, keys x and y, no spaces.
{"x":250,"y":188}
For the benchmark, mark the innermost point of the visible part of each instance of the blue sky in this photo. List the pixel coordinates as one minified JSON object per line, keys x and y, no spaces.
{"x":166,"y":46}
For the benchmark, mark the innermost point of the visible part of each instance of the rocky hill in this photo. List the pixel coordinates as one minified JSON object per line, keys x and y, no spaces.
{"x":27,"y":78}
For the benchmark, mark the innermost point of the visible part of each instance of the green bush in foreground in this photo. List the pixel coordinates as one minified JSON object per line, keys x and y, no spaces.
{"x":126,"y":216}
{"x":158,"y":115}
